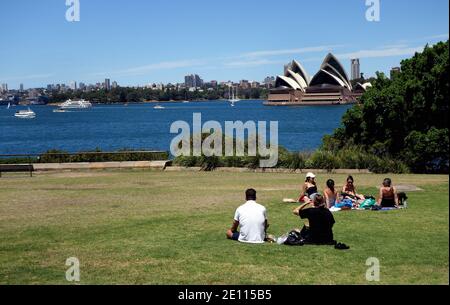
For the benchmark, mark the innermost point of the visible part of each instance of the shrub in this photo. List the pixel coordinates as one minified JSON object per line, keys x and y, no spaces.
{"x":186,"y":161}
{"x":387,"y":165}
{"x":57,"y":156}
{"x":324,"y":160}
{"x":291,"y":160}
{"x":209,"y":163}
{"x":18,"y":160}
{"x":233,"y":161}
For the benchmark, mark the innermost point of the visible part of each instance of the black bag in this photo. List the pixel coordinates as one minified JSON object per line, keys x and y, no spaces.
{"x":294,"y":239}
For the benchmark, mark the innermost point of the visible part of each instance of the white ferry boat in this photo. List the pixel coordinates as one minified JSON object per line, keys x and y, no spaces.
{"x":25,"y":114}
{"x":80,"y":104}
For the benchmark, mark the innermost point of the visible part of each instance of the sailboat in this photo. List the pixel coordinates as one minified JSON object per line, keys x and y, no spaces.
{"x":9,"y":106}
{"x":186,"y":101}
{"x":234,"y":99}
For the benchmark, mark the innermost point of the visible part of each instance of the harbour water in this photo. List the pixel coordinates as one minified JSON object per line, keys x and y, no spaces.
{"x":140,"y":126}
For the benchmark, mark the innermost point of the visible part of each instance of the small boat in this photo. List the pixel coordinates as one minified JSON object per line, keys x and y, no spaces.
{"x":159,"y":107}
{"x":233,"y":96}
{"x":59,"y":110}
{"x":9,"y":106}
{"x":80,"y":104}
{"x":25,"y":114}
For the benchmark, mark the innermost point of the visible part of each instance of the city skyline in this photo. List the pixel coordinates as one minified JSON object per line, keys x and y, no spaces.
{"x":145,"y":48}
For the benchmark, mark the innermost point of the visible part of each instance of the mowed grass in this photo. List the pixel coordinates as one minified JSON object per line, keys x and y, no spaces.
{"x":144,"y":227}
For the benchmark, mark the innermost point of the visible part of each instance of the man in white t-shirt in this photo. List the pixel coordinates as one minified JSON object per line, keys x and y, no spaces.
{"x":252,"y":220}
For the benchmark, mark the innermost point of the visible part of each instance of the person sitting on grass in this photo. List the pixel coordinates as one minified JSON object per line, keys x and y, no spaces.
{"x":304,"y":233}
{"x":388,"y":195}
{"x":330,"y":194}
{"x":251,"y":219}
{"x":349,"y":191}
{"x":321,"y":222}
{"x":309,"y":189}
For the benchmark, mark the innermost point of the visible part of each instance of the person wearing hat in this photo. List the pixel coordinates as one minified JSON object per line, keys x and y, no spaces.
{"x":309,"y":190}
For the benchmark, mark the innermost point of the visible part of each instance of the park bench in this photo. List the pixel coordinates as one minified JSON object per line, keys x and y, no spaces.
{"x":16,"y":168}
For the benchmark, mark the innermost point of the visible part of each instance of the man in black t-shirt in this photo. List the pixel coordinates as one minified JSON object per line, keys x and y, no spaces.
{"x":321,"y":223}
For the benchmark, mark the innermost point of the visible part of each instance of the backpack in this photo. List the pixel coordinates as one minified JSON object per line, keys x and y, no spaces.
{"x":294,"y":238}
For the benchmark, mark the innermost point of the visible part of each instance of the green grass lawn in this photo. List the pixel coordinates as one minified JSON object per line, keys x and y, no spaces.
{"x":141,"y":227}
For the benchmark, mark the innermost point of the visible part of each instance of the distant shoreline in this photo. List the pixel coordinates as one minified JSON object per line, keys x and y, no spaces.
{"x":156,"y":102}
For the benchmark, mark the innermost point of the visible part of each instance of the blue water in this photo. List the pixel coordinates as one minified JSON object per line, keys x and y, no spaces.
{"x":139,"y":126}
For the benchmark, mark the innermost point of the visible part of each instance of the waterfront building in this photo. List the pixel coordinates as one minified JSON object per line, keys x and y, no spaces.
{"x":269,"y":81}
{"x":244,"y":84}
{"x":254,"y":85}
{"x":329,"y":86}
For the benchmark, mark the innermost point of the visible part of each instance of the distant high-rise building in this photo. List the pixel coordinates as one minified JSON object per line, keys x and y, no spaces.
{"x":73,"y":85}
{"x":107,"y":84}
{"x":198,"y":81}
{"x":4,"y":88}
{"x":21,"y":88}
{"x":356,"y":71}
{"x":244,"y":84}
{"x":114,"y":85}
{"x":193,"y":81}
{"x":188,"y":81}
{"x":395,"y":71}
{"x":269,"y":81}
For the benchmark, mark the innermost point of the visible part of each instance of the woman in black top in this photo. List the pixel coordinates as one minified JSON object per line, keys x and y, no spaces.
{"x":309,"y":188}
{"x":388,"y":195}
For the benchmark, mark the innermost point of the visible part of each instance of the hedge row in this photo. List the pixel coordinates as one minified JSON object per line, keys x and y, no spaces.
{"x":320,"y":159}
{"x":58,"y":156}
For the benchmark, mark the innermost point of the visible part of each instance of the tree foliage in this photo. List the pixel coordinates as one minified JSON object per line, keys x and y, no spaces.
{"x":405,"y":117}
{"x":135,"y":95}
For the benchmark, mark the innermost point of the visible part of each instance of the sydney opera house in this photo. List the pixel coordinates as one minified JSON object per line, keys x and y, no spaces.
{"x":330,"y":86}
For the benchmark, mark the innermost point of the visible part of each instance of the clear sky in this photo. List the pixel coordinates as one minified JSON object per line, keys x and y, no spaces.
{"x":137,"y":42}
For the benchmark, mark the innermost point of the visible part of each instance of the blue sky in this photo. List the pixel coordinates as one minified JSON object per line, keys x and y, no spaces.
{"x":137,"y":42}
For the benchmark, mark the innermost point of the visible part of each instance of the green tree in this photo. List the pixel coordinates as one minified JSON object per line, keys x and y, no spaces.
{"x":406,"y":117}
